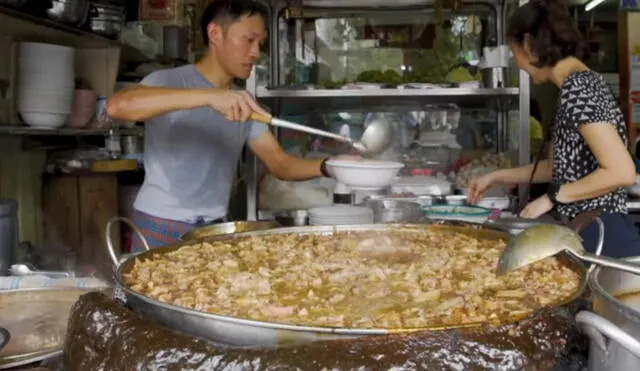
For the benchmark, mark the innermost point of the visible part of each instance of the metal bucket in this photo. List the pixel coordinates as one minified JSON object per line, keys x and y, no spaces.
{"x":614,"y":325}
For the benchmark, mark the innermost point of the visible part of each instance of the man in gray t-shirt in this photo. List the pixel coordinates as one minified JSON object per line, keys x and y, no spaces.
{"x":197,"y":125}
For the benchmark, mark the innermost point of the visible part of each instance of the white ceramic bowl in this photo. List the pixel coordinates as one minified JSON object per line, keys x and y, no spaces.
{"x":364,"y":174}
{"x":473,"y":214}
{"x":54,"y":101}
{"x":44,"y":120}
{"x":64,"y":55}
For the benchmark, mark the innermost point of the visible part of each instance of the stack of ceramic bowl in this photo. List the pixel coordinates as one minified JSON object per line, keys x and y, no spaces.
{"x":46,"y":84}
{"x":340,"y":215}
{"x":84,"y":108}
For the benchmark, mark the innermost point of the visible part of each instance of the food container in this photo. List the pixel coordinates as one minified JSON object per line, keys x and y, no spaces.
{"x":614,"y":324}
{"x":500,"y":203}
{"x":420,"y":200}
{"x":292,"y":218}
{"x":471,"y":214}
{"x":456,"y":200}
{"x":239,"y":331}
{"x":421,"y":186}
{"x":227,"y":228}
{"x":395,"y":211}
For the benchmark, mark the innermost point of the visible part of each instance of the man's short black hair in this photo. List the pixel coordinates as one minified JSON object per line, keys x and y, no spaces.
{"x":220,"y":11}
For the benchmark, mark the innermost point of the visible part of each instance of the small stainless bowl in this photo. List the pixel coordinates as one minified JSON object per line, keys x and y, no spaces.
{"x":292,"y":218}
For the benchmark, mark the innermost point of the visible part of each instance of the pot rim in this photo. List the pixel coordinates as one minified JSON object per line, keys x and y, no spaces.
{"x":596,"y":287}
{"x":125,"y":265}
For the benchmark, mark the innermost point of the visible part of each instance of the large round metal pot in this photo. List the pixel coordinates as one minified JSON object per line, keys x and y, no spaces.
{"x":227,"y":228}
{"x":244,"y":332}
{"x":614,"y":325}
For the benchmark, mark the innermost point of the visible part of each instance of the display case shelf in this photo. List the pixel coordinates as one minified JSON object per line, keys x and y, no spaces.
{"x":26,"y":130}
{"x":393,"y":99}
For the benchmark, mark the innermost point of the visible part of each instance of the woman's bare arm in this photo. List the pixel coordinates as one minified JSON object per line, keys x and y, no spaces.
{"x":616,"y":168}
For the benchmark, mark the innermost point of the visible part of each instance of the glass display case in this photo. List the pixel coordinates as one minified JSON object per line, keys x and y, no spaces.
{"x":338,"y":65}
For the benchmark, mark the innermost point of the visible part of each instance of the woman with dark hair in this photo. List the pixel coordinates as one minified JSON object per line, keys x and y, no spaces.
{"x":589,"y":165}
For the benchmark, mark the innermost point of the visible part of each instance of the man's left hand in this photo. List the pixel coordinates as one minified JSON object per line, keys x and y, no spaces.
{"x":537,"y":208}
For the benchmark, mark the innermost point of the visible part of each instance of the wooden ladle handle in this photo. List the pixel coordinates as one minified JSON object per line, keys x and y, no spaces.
{"x":266,"y":119}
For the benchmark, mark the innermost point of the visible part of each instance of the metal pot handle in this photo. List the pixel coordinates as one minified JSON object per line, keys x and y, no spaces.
{"x":600,"y":241}
{"x":601,"y":331}
{"x":5,"y":337}
{"x":107,"y":236}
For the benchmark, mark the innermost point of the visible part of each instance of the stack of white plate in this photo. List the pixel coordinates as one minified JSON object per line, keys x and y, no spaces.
{"x":46,"y":84}
{"x":340,"y":215}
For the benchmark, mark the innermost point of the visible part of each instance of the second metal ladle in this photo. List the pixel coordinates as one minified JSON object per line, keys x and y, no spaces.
{"x":544,"y":240}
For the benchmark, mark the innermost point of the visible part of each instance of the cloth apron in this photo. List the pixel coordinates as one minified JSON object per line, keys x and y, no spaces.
{"x":160,"y":232}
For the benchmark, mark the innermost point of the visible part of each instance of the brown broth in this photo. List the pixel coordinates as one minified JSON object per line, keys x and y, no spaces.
{"x":630,"y":299}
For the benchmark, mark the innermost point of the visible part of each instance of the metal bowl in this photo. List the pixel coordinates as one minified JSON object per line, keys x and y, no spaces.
{"x":72,"y":12}
{"x":110,"y":29}
{"x":227,"y":228}
{"x":292,"y":218}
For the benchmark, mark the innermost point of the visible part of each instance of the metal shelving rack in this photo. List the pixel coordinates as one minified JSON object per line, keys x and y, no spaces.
{"x":335,"y":99}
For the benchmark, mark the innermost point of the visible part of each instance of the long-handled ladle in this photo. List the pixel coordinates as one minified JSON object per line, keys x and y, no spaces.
{"x":541,"y":241}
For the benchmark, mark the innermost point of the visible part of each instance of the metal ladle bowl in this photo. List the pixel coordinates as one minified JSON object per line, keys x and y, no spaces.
{"x":376,"y":137}
{"x":544,"y":240}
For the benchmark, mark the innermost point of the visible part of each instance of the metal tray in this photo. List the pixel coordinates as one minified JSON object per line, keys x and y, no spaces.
{"x":50,"y":308}
{"x":245,"y":332}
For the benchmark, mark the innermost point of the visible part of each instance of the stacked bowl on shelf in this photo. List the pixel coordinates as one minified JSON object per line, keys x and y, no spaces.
{"x":84,"y":108}
{"x":46,"y":84}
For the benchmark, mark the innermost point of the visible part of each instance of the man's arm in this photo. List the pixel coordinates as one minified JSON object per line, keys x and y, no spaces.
{"x":140,"y":102}
{"x":615,"y":165}
{"x":281,"y":164}
{"x":163,"y":92}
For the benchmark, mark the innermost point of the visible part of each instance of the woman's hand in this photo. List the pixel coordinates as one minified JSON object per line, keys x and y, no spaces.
{"x":479,"y":186}
{"x":537,"y":208}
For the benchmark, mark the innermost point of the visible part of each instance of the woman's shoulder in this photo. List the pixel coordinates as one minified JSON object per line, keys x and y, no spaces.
{"x":587,"y":97}
{"x":586,"y":84}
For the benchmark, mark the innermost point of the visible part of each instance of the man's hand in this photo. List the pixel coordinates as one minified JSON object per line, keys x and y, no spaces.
{"x":341,"y":158}
{"x":235,"y":105}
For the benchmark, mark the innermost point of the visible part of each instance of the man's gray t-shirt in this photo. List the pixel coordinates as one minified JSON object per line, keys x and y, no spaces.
{"x":190,"y":156}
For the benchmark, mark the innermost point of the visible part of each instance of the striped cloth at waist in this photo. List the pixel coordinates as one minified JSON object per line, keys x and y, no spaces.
{"x":159,"y":231}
